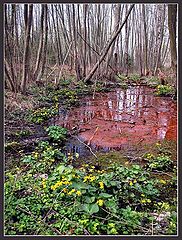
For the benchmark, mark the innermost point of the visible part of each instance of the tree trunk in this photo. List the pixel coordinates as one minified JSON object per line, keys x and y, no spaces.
{"x":28,"y":23}
{"x":85,"y":37}
{"x":39,"y":53}
{"x":146,"y":39}
{"x":172,"y":13}
{"x":105,"y":51}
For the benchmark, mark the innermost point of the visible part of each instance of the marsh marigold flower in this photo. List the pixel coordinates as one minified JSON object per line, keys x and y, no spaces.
{"x":78,"y":193}
{"x":100,"y":202}
{"x":101,"y":185}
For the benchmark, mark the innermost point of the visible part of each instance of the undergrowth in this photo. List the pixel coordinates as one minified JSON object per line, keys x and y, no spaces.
{"x":46,"y":195}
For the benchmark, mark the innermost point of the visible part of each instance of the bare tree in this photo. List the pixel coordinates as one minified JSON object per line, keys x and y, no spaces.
{"x":172,"y":13}
{"x":28,"y":11}
{"x":105,"y":51}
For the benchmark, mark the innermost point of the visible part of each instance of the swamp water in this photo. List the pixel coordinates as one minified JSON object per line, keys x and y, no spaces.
{"x":120,"y":120}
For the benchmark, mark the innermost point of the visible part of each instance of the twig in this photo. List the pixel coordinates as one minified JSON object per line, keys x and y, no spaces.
{"x":93,"y":135}
{"x":51,"y":71}
{"x":124,"y":221}
{"x":160,"y":172}
{"x":31,"y":214}
{"x":86,"y":146}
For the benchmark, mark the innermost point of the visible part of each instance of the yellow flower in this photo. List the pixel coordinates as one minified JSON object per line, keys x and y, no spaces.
{"x":44,"y":183}
{"x":72,"y":191}
{"x":148,"y":200}
{"x":162,"y":181}
{"x":86,"y":178}
{"x":142,"y":195}
{"x":92,"y":178}
{"x":135,"y":181}
{"x":166,"y":206}
{"x":78,"y":193}
{"x":53,"y":187}
{"x":130,"y":183}
{"x":36,"y":155}
{"x":65,"y":190}
{"x":66,"y":182}
{"x":82,"y":169}
{"x":101,"y":185}
{"x":143,"y":201}
{"x":100,"y":202}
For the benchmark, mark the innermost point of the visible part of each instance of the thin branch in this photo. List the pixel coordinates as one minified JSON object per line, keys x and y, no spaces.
{"x":86,"y":146}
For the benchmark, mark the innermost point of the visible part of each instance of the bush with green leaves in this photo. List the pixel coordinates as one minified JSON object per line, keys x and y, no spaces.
{"x":57,"y":133}
{"x":165,"y":90}
{"x":160,"y":162}
{"x":121,"y":77}
{"x":41,"y":115}
{"x":44,"y":157}
{"x":153,"y":81}
{"x":135,"y":77}
{"x":69,"y":96}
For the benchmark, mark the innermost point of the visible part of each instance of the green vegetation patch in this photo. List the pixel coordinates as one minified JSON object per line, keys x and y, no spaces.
{"x":165,"y":90}
{"x":46,"y":195}
{"x":57,"y":133}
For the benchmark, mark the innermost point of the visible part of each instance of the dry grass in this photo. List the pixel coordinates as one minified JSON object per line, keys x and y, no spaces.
{"x":18,"y":101}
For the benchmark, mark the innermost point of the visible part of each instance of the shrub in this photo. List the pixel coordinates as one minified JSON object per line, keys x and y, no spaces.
{"x":161,"y":162}
{"x":57,"y":133}
{"x":164,"y":90}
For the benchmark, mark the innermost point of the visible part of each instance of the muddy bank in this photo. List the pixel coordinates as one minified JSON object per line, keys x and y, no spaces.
{"x":122,"y":118}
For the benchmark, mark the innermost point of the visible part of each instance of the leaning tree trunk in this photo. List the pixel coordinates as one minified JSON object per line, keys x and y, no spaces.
{"x":89,"y":76}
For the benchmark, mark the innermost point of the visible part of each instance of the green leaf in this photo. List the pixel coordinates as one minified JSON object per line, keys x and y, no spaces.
{"x":105,"y":195}
{"x":136,"y":167}
{"x":90,"y":208}
{"x":94,"y":208}
{"x":79,"y":185}
{"x":28,"y":159}
{"x":61,"y":168}
{"x":114,"y":183}
{"x":110,"y":203}
{"x":89,"y":199}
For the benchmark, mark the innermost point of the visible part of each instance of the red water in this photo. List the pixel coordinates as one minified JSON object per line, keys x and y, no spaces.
{"x":123,"y":118}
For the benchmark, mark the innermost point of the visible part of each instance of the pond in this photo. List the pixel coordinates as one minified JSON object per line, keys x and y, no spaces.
{"x":122,"y":118}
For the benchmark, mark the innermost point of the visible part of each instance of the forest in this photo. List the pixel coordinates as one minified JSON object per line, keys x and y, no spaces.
{"x":91,"y":93}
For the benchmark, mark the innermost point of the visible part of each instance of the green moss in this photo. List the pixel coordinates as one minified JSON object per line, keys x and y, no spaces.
{"x":105,"y":159}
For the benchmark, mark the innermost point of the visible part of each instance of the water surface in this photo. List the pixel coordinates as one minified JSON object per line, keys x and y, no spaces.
{"x":123,"y":118}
